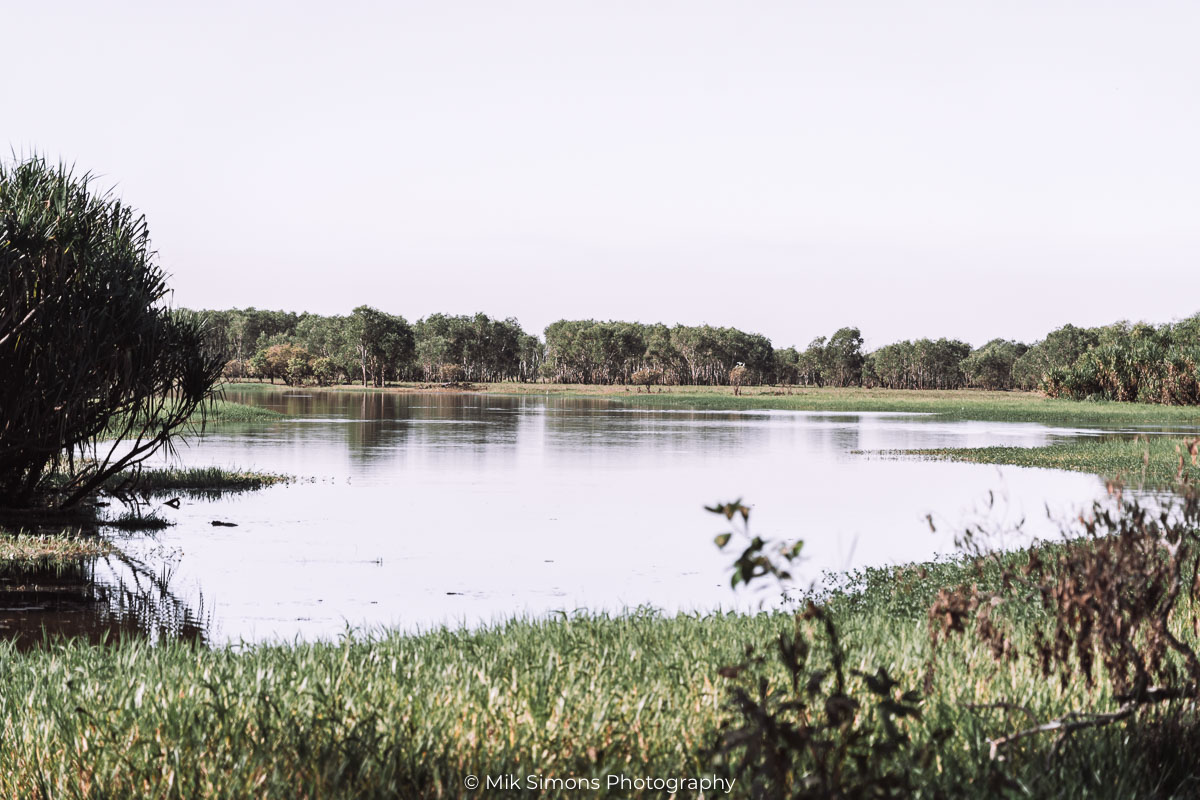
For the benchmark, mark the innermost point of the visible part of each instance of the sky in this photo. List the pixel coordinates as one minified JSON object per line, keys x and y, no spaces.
{"x":961,"y":169}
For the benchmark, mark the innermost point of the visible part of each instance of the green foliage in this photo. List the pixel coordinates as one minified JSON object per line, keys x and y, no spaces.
{"x":812,"y":737}
{"x":1059,"y":350}
{"x":368,"y":717}
{"x":843,"y":358}
{"x":1151,"y":461}
{"x":372,"y":347}
{"x":1122,"y":362}
{"x":923,"y":364}
{"x":193,"y":479}
{"x":991,"y":366}
{"x":476,"y":348}
{"x":587,"y":351}
{"x":88,"y":348}
{"x":384,"y":343}
{"x":972,"y":405}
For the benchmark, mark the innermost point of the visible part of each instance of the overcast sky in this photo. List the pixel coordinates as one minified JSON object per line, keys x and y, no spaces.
{"x":917,"y":169}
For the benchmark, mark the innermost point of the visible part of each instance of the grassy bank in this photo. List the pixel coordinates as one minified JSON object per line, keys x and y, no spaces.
{"x":413,"y":716}
{"x":1148,"y":460}
{"x":964,"y":404}
{"x":1124,"y":458}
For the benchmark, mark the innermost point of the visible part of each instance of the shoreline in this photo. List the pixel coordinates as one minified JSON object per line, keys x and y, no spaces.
{"x":1142,"y":455}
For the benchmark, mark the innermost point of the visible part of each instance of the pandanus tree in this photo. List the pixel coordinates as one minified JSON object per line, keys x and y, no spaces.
{"x":96,"y":372}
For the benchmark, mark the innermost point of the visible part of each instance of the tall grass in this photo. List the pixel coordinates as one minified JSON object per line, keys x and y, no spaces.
{"x":197,"y":479}
{"x":228,"y":411}
{"x":24,"y":549}
{"x":412,"y":716}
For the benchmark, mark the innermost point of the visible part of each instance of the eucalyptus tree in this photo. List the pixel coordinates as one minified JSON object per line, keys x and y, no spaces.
{"x":381,"y":341}
{"x":661,"y":356}
{"x":810,"y":363}
{"x":787,"y":366}
{"x":98,"y":373}
{"x":991,"y":366}
{"x":531,"y":355}
{"x":923,"y":364}
{"x":842,"y":358}
{"x":479,"y":347}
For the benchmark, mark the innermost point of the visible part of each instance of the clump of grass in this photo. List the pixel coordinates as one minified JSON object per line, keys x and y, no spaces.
{"x":223,"y":411}
{"x":29,"y":549}
{"x":135,"y":521}
{"x":217,"y":412}
{"x":197,"y":479}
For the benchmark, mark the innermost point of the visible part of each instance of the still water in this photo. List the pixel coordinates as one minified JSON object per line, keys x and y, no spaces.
{"x":415,"y":510}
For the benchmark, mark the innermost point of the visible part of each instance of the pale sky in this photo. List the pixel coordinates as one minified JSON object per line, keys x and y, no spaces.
{"x":965,"y":169}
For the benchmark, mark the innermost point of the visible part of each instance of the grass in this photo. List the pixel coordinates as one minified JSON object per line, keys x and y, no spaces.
{"x":1147,"y":460}
{"x":25,"y":549}
{"x":220,"y":412}
{"x":198,"y":479}
{"x":412,"y":716}
{"x":131,"y":521}
{"x":959,"y":404}
{"x":395,"y":715}
{"x":227,"y":411}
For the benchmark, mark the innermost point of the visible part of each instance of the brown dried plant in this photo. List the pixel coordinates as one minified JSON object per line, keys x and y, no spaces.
{"x":1110,"y":601}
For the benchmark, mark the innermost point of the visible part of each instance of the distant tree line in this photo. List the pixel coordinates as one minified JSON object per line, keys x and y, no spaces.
{"x":1146,"y":363}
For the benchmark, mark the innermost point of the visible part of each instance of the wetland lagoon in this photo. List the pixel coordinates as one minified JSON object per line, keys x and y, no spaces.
{"x":416,"y":510}
{"x":460,"y":586}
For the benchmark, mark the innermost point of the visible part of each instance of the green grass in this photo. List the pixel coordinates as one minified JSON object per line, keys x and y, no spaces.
{"x":26,"y":549}
{"x":955,"y":405}
{"x":412,"y":716}
{"x":960,"y":404}
{"x":226,"y":411}
{"x":199,"y":479}
{"x":220,"y":412}
{"x":1149,"y":460}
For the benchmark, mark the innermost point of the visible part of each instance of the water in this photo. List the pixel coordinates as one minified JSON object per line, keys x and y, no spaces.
{"x":415,"y":510}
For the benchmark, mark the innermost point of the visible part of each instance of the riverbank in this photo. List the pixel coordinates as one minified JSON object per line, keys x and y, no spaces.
{"x":581,"y":697}
{"x":957,"y":404}
{"x":1151,"y":461}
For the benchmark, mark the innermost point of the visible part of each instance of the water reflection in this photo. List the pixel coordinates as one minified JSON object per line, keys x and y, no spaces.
{"x":97,"y":598}
{"x":423,"y":509}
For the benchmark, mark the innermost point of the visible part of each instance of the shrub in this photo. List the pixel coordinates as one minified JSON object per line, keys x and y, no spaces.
{"x":88,"y":348}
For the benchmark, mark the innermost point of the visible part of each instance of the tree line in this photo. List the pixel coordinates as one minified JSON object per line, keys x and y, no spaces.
{"x":1123,"y":361}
